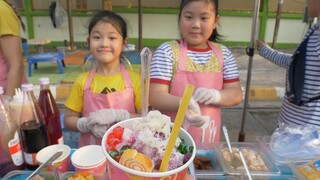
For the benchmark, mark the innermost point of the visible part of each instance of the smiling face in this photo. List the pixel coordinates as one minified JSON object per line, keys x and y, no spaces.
{"x":313,"y":8}
{"x":197,"y":22}
{"x":106,"y":43}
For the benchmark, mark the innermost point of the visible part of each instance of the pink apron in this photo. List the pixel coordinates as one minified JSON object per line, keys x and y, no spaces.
{"x":4,"y":72}
{"x":210,"y":133}
{"x":117,"y":100}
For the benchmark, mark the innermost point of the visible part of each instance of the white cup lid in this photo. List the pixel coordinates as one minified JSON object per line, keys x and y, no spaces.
{"x":87,"y":156}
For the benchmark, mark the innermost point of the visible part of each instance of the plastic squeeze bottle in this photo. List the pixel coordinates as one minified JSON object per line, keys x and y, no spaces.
{"x":7,"y":130}
{"x":15,"y":144}
{"x":50,"y":111}
{"x":16,"y":105}
{"x":33,"y":131}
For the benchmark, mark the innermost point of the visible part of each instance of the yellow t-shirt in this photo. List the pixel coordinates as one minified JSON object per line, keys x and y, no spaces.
{"x":9,"y":22}
{"x":100,"y":83}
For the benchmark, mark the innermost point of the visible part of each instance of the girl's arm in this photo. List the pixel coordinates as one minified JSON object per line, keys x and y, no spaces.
{"x":277,"y":57}
{"x":231,"y":94}
{"x":71,"y":119}
{"x":160,"y":98}
{"x":11,"y":49}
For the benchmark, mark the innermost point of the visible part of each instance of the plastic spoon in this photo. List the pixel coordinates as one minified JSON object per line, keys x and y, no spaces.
{"x":146,"y":56}
{"x":226,"y":135}
{"x":245,"y":164}
{"x":55,"y":156}
{"x":234,"y":161}
{"x":176,"y":126}
{"x":55,"y":172}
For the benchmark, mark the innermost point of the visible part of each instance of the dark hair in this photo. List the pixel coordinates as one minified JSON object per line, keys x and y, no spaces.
{"x":215,"y":36}
{"x":112,"y":18}
{"x":16,"y":11}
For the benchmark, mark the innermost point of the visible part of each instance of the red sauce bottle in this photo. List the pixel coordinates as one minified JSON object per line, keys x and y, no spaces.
{"x":50,"y":111}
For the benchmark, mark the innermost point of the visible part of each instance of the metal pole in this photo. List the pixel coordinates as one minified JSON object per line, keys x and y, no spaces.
{"x":250,"y":53}
{"x":70,"y":20}
{"x":140,"y":25}
{"x":277,"y":24}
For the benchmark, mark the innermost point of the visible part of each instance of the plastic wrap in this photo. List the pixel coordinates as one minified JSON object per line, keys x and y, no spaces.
{"x":291,"y":140}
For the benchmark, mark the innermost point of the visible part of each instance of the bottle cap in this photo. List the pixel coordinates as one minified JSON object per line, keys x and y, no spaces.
{"x":27,"y":87}
{"x":44,"y":80}
{"x":1,"y":90}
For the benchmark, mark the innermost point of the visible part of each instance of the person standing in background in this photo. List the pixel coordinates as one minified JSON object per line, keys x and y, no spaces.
{"x":11,"y":61}
{"x":11,"y":69}
{"x":108,"y":93}
{"x":307,"y":113}
{"x":199,"y":60}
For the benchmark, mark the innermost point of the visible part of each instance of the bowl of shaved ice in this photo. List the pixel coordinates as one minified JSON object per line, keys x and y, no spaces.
{"x":134,"y":149}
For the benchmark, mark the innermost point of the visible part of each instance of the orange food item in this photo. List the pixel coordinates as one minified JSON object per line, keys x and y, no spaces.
{"x":135,"y":160}
{"x":81,"y":176}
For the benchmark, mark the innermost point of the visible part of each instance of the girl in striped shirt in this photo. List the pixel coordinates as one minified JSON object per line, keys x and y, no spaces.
{"x":308,"y":113}
{"x":199,"y":60}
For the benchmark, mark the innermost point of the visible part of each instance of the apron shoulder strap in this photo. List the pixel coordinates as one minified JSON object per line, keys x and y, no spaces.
{"x":90,"y":78}
{"x":126,"y":76}
{"x":216,"y":51}
{"x":182,"y":55}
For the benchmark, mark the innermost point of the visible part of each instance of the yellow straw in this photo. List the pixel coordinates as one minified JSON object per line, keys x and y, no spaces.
{"x":176,"y":126}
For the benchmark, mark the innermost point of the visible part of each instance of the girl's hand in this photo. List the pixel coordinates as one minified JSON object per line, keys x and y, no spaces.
{"x":194,"y":119}
{"x":99,"y":130}
{"x":207,"y":96}
{"x":83,"y":125}
{"x":260,"y":44}
{"x":193,"y":106}
{"x":108,"y":116}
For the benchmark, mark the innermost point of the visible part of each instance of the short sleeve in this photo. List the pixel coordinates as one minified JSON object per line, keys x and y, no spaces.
{"x":230,"y":67}
{"x":161,"y":67}
{"x":9,"y":23}
{"x":75,"y":99}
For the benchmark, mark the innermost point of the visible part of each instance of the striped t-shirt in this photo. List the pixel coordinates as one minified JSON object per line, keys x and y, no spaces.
{"x":307,"y":114}
{"x":161,"y":68}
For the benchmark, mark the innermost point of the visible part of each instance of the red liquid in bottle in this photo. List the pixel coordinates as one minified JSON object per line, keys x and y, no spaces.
{"x":51,"y":114}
